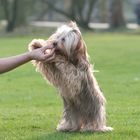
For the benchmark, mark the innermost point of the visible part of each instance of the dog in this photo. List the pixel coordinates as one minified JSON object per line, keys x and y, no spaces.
{"x":70,"y":71}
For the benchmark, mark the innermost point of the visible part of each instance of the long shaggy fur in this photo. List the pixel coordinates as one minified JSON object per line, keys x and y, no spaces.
{"x":71,"y":73}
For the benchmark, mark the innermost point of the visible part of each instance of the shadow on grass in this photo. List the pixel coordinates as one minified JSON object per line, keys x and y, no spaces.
{"x":67,"y":136}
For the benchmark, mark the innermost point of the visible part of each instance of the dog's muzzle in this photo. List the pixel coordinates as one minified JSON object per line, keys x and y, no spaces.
{"x":54,"y":44}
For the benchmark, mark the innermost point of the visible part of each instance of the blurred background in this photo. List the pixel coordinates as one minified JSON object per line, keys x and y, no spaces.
{"x":25,"y":16}
{"x":29,"y":108}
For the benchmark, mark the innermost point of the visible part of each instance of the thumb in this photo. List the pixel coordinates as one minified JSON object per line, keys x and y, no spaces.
{"x":46,"y":47}
{"x":49,"y":55}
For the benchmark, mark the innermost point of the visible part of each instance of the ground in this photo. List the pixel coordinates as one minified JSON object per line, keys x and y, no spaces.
{"x":30,"y":108}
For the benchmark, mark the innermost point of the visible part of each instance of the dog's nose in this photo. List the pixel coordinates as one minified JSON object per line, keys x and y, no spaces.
{"x":54,"y":44}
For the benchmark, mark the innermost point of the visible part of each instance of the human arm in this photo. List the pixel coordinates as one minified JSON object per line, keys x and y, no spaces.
{"x":9,"y":63}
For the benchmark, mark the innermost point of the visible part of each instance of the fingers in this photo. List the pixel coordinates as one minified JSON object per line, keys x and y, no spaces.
{"x":44,"y":54}
{"x":47,"y":47}
{"x":50,"y":57}
{"x":47,"y":55}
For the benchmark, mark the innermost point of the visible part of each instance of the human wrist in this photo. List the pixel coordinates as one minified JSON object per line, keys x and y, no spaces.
{"x":29,"y":56}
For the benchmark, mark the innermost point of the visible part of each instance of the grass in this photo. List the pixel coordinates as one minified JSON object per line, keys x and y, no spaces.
{"x":30,"y":108}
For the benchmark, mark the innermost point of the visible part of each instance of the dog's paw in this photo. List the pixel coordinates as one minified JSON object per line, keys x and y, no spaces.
{"x":103,"y":129}
{"x":63,"y":126}
{"x":106,"y":129}
{"x":37,"y":43}
{"x":90,"y":128}
{"x":66,"y":126}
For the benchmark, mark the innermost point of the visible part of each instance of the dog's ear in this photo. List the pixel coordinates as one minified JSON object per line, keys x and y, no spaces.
{"x":81,"y":49}
{"x":80,"y":56}
{"x":36,"y":43}
{"x":72,"y":24}
{"x":83,"y":62}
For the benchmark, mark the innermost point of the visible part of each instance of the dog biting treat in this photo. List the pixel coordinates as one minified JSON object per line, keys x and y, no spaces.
{"x":70,"y":71}
{"x":48,"y":51}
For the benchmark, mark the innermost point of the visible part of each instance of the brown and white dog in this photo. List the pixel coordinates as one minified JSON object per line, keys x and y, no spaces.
{"x":71,"y":73}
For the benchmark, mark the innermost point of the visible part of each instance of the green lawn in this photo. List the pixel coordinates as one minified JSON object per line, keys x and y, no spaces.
{"x":30,"y":108}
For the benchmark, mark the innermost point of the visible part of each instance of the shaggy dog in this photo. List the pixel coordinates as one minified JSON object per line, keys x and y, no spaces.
{"x":70,"y":72}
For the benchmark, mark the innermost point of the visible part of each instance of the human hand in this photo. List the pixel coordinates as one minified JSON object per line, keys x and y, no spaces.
{"x":42,"y":54}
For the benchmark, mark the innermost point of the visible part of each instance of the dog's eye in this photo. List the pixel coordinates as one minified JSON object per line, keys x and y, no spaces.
{"x":63,"y":39}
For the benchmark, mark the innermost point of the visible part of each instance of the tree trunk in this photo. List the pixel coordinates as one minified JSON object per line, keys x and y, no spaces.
{"x":103,"y":11}
{"x":21,"y":12}
{"x":10,"y":14}
{"x":77,"y":11}
{"x":12,"y":21}
{"x":116,"y":14}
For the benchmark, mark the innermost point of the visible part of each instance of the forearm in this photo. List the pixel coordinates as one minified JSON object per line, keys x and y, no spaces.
{"x":7,"y":64}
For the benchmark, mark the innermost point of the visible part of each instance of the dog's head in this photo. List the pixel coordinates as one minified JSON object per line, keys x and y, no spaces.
{"x":68,"y":42}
